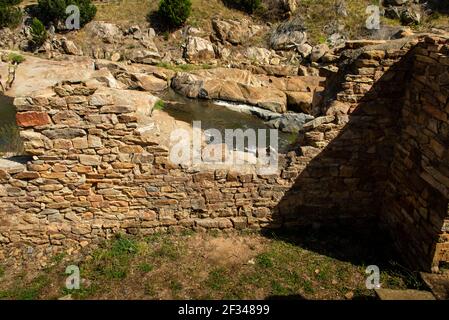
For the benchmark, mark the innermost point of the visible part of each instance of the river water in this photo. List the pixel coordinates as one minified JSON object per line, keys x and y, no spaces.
{"x":218,"y":117}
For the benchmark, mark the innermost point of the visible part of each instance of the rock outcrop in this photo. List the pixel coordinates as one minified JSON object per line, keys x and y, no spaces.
{"x":235,"y":31}
{"x":198,"y":50}
{"x":242,"y":86}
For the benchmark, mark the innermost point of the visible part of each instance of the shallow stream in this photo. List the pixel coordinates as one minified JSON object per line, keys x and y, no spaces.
{"x":218,"y":117}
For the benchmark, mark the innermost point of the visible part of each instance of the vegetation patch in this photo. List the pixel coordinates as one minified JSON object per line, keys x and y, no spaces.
{"x":174,"y":12}
{"x":203,"y":266}
{"x":10,"y":15}
{"x":54,"y":11}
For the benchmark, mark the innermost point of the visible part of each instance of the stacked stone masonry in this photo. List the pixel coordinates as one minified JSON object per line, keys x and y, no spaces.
{"x":380,"y":151}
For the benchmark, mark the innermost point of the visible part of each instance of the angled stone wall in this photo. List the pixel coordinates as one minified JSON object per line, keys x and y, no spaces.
{"x":417,"y":192}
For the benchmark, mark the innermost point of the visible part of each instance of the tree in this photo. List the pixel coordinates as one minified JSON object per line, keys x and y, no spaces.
{"x":10,"y":16}
{"x":249,"y":6}
{"x":7,"y":3}
{"x":55,"y":10}
{"x":38,"y":33}
{"x":175,"y":12}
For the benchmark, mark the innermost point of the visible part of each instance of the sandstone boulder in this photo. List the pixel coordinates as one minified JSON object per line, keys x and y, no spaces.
{"x":235,"y":31}
{"x":258,"y":55}
{"x":107,"y":32}
{"x":105,"y":77}
{"x":236,"y":85}
{"x":149,"y":83}
{"x":70,"y":47}
{"x":319,"y":51}
{"x":230,"y":85}
{"x":143,"y":56}
{"x":300,"y":101}
{"x":304,"y":50}
{"x":198,"y":49}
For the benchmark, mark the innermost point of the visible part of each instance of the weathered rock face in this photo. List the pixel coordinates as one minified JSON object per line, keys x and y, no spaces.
{"x":135,"y":76}
{"x":198,"y":49}
{"x":70,"y":47}
{"x":408,"y":12}
{"x":230,"y":85}
{"x":288,"y":35}
{"x":259,"y":55}
{"x":242,"y":86}
{"x":36,"y":74}
{"x":144,"y":56}
{"x":107,"y":32}
{"x":235,"y":32}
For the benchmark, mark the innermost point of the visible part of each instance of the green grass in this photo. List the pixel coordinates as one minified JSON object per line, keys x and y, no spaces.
{"x":145,"y":267}
{"x":217,"y":279}
{"x":178,"y":266}
{"x":167,"y":250}
{"x":160,"y":105}
{"x":29,"y":292}
{"x":15,"y":57}
{"x":112,"y":262}
{"x":264,"y":260}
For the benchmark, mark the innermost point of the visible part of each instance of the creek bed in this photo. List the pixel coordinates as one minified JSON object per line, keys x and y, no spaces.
{"x":218,"y":117}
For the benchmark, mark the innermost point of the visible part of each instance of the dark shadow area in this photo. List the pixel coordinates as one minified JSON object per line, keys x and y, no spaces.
{"x":341,"y":190}
{"x":441,"y":6}
{"x":20,"y":159}
{"x":10,"y":141}
{"x":362,"y":246}
{"x":158,"y":23}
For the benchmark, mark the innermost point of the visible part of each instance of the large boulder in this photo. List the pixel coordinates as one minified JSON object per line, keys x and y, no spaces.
{"x":230,"y":85}
{"x":149,"y":82}
{"x":259,"y":55}
{"x":290,"y":122}
{"x":198,"y":49}
{"x":288,"y":35}
{"x":319,"y":51}
{"x":107,"y":32}
{"x":235,"y":31}
{"x":236,"y":85}
{"x":70,"y":47}
{"x":144,"y":56}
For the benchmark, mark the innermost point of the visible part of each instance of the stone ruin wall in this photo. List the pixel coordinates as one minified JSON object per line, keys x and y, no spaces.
{"x":417,"y":192}
{"x":94,"y":174}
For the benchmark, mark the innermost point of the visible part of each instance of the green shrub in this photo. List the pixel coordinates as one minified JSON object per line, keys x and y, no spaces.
{"x":16,"y":58}
{"x":175,"y":12}
{"x":159,"y":105}
{"x":7,"y":3}
{"x":38,"y":33}
{"x":249,"y":6}
{"x":10,"y":16}
{"x":54,"y":10}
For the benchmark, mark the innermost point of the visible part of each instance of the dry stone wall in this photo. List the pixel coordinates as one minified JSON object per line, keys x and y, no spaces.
{"x":380,"y":151}
{"x":417,"y":194}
